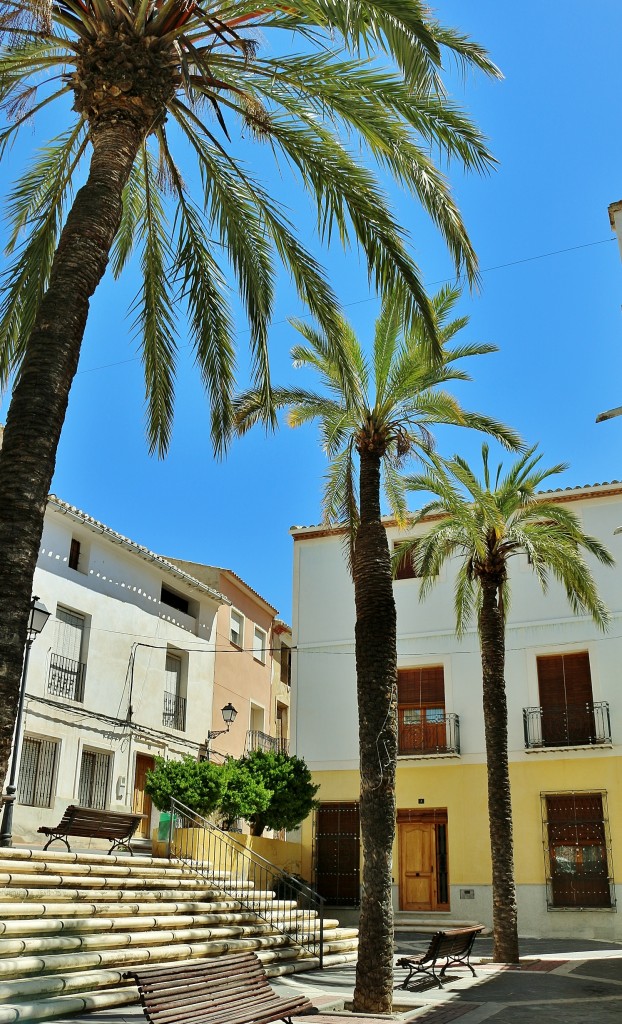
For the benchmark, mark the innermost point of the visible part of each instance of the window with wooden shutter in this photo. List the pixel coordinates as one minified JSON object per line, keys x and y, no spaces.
{"x":578,"y":856}
{"x":421,"y":710}
{"x":566,"y":700}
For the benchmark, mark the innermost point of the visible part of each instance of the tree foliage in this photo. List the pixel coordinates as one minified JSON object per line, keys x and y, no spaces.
{"x":197,"y":784}
{"x":267,"y":789}
{"x":289,"y":781}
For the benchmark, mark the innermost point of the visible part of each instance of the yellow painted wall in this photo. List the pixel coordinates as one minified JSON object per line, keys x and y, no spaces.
{"x":278,"y":852}
{"x":461,"y":788}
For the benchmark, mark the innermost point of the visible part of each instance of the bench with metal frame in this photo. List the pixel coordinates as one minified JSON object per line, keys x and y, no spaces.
{"x":91,"y":823}
{"x":454,"y":947}
{"x":232,"y":988}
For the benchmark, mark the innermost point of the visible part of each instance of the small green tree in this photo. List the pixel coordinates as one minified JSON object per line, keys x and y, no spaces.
{"x":289,"y":780}
{"x":197,"y":784}
{"x":244,"y":794}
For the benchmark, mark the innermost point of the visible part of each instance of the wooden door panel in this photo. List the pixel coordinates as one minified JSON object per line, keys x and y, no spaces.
{"x":141,"y":802}
{"x":417,"y":866}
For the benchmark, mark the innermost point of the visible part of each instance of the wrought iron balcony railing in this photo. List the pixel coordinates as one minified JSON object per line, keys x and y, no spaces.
{"x":66,"y":677}
{"x":441,"y":736}
{"x":257,"y":740}
{"x":573,"y":725}
{"x":174,"y":712}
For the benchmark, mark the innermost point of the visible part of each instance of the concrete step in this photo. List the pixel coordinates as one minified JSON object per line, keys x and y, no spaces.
{"x":49,"y":1007}
{"x":71,"y":924}
{"x":169,"y":931}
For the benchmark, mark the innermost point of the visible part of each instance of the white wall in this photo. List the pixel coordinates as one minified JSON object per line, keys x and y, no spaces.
{"x":126,"y":625}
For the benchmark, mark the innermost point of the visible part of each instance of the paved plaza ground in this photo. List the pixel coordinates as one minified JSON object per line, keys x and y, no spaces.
{"x":561,"y":981}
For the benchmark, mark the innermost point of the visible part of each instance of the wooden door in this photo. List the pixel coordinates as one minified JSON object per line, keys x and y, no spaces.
{"x":337,"y":853}
{"x":141,"y":803}
{"x":417,"y":843}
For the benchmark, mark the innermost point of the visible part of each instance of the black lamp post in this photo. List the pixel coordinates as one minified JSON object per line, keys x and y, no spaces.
{"x":229,"y":714}
{"x":37,"y":620}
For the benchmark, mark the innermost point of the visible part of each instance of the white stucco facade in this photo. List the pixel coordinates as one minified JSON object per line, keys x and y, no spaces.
{"x":325,"y":728}
{"x":123,"y":671}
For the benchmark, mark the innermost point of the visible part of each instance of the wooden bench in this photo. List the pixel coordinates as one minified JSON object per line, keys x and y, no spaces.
{"x":453,"y":947}
{"x":117,"y":826}
{"x":230,"y":989}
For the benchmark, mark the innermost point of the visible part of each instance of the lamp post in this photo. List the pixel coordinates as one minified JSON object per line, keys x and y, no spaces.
{"x":229,"y":714}
{"x":36,"y":621}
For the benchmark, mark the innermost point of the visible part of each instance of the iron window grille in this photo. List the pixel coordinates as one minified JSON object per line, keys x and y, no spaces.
{"x":94,"y":779}
{"x":174,"y":712}
{"x":577,"y":851}
{"x":37,"y":772}
{"x":66,"y":677}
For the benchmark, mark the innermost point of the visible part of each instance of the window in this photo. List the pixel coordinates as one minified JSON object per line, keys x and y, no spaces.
{"x":67,"y":662}
{"x":566,"y":703}
{"x":95,"y":770}
{"x":74,"y":554}
{"x":286,"y":664}
{"x":578,"y":858}
{"x":173,"y":600}
{"x":405,"y":569}
{"x":260,"y":644}
{"x":174,"y":711}
{"x":36,"y":772}
{"x":236,"y":634}
{"x":421,"y":711}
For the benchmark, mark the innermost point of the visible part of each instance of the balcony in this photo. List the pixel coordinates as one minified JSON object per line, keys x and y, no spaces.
{"x":574,"y":725}
{"x":66,"y":677}
{"x":438,"y":736}
{"x":174,"y":712}
{"x":256,"y":740}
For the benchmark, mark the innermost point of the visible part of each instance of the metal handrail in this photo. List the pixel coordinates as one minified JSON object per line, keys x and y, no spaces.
{"x":258,"y":740}
{"x":66,"y":677}
{"x":286,"y":903}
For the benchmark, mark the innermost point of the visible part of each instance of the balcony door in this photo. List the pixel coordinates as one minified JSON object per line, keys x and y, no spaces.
{"x":421,"y":710}
{"x":566,"y":699}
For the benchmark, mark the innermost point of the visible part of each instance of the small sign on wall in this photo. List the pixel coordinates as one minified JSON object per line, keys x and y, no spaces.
{"x":467,"y":894}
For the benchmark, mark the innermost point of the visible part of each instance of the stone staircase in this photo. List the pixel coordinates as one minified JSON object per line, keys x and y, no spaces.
{"x":71,"y":924}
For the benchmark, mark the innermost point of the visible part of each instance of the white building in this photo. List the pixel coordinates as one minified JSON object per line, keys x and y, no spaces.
{"x":123,"y":671}
{"x":565,"y":739}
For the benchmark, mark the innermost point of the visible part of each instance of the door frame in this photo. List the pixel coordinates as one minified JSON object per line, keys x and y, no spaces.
{"x":436,"y":818}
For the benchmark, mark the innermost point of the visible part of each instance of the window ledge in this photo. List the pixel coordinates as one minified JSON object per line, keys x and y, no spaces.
{"x":428,"y":757}
{"x":572,"y":746}
{"x":582,"y":910}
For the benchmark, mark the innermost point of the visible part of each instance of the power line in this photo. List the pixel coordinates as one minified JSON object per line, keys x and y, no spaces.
{"x":373,"y":298}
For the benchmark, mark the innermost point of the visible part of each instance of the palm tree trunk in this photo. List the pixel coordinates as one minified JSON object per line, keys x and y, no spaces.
{"x":492,"y":643}
{"x":376,"y":672}
{"x":41,"y":394}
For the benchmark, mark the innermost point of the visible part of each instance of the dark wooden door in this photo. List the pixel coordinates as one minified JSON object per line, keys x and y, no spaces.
{"x":337,"y":853}
{"x":141,"y":803}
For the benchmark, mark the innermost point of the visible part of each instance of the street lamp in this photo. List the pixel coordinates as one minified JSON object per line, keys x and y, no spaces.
{"x":36,"y":621}
{"x":228,"y":716}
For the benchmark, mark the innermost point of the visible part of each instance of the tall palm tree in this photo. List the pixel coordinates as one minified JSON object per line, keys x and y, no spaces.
{"x":143,"y":77}
{"x":483,"y":524}
{"x":373,"y":415}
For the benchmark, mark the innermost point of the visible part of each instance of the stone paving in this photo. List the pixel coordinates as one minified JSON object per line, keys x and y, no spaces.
{"x":561,"y":981}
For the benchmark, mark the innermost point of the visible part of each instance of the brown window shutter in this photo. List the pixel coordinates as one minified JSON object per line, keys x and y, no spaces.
{"x":74,"y":553}
{"x":421,"y":686}
{"x":564,"y":680}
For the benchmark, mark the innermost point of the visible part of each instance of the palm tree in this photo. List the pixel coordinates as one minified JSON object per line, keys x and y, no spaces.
{"x":143,"y":76}
{"x":372,"y":416}
{"x":483,"y":525}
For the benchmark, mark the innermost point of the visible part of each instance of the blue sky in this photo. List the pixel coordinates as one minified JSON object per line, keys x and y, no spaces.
{"x":550,"y":299}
